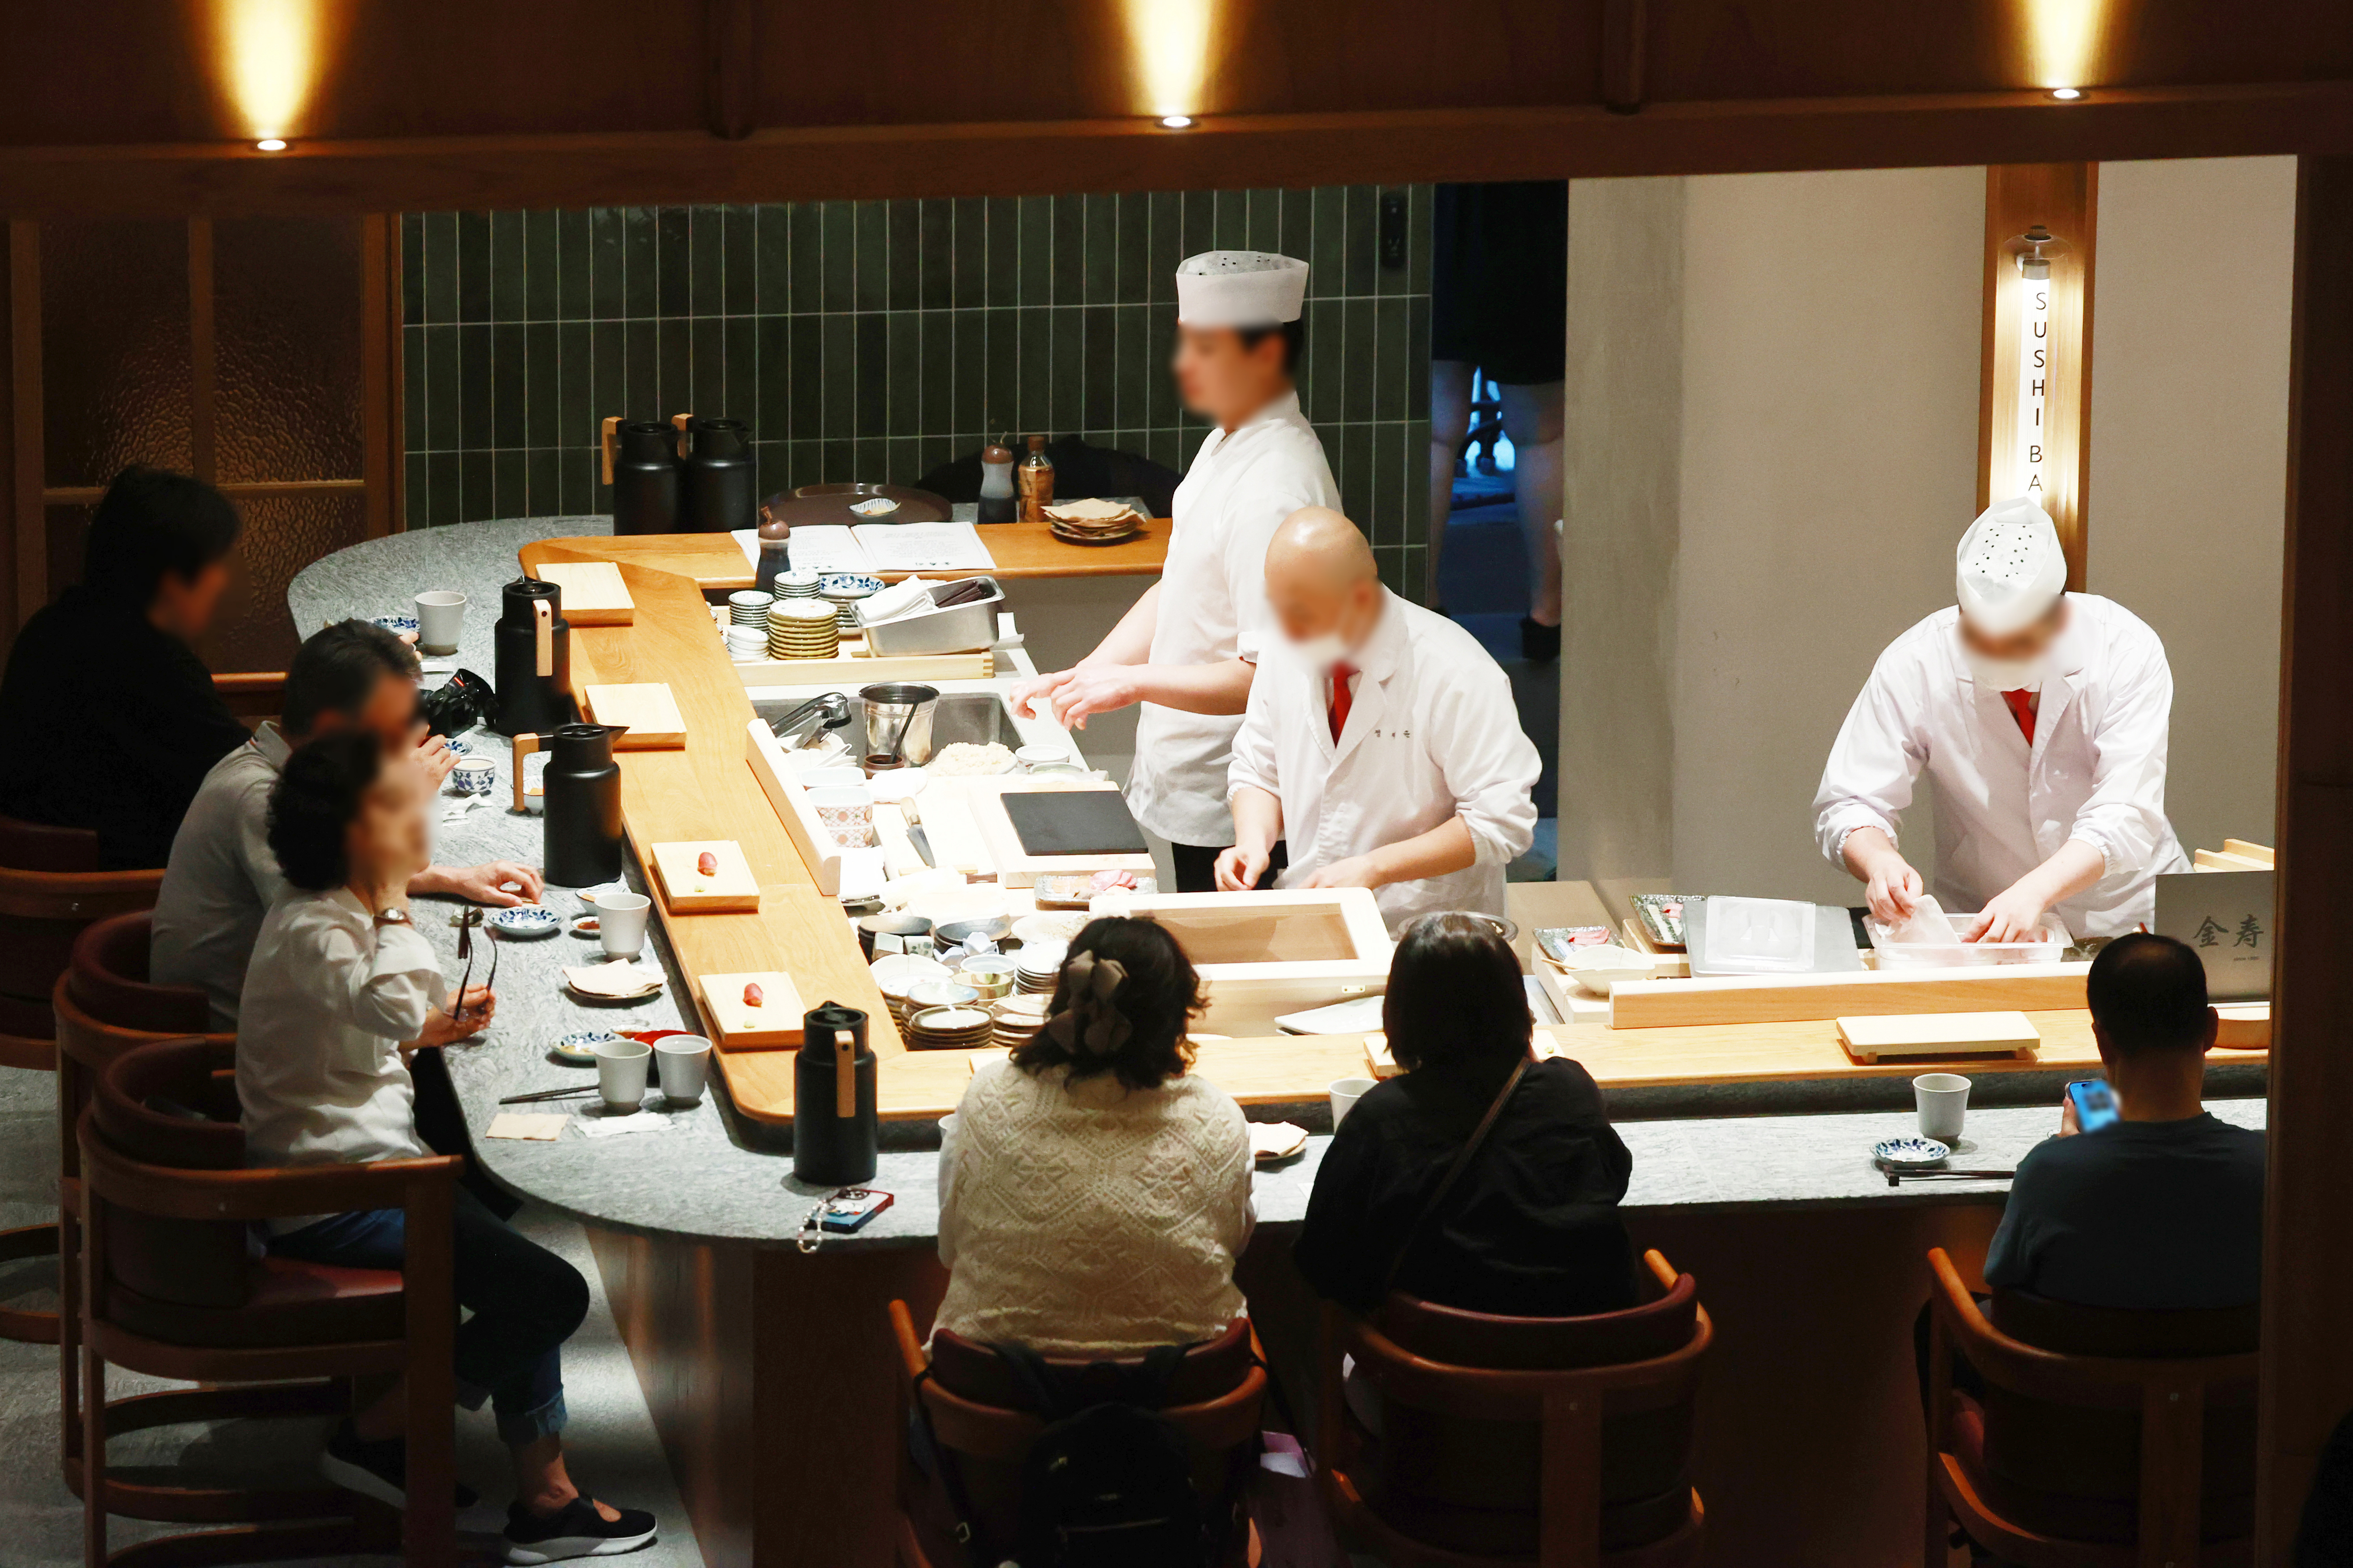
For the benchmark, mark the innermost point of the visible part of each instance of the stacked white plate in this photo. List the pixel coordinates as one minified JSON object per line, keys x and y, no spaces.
{"x":747,"y":644}
{"x":958,"y":1028}
{"x":803,"y":629}
{"x":1038,"y":965}
{"x":1017,"y":1020}
{"x":896,"y":973}
{"x":799,"y":582}
{"x":749,"y":607}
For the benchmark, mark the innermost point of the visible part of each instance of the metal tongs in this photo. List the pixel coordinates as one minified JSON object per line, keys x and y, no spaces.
{"x":829,"y":712}
{"x":467,"y":923}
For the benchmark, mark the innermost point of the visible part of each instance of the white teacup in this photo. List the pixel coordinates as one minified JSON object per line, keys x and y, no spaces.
{"x":621,"y":923}
{"x":621,"y":1072}
{"x":1942,"y":1099}
{"x":846,"y":816}
{"x":440,"y":616}
{"x":682,"y":1062}
{"x":1344,"y":1094}
{"x":474,"y":775}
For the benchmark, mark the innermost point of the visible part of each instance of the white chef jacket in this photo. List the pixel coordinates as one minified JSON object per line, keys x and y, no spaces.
{"x":1213,"y":606}
{"x":2095,"y":771}
{"x":1432,"y":733}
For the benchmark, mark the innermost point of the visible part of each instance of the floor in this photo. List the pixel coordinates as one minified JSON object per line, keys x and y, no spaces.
{"x":611,"y":1447}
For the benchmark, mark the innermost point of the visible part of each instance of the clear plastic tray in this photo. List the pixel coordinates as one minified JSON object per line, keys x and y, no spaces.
{"x":1758,"y":936}
{"x":2050,"y":948}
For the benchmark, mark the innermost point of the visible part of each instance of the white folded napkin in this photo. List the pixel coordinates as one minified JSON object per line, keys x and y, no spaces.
{"x":621,"y":977}
{"x":894,"y":600}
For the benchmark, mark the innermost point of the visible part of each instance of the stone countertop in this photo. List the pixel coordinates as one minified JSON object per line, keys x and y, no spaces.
{"x":703,"y":1175}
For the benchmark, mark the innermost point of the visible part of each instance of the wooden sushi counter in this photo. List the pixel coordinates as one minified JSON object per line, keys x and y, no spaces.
{"x":708,"y":790}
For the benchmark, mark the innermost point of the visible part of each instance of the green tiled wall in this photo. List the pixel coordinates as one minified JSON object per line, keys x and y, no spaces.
{"x":874,"y":339}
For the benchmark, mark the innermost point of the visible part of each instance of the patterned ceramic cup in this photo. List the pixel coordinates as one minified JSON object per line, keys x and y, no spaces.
{"x":474,"y":775}
{"x":846,"y":816}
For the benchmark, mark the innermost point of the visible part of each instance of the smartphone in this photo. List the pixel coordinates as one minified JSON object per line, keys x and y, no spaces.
{"x":2096,"y":1104}
{"x":850,"y":1208}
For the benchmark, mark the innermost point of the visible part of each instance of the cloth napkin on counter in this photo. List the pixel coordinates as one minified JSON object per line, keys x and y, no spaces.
{"x":621,"y":977}
{"x":894,"y":600}
{"x":1271,"y":1141}
{"x":597,"y":1122}
{"x":537,"y":1127}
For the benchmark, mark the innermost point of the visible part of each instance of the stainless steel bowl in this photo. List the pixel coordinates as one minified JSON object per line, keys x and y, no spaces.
{"x":898,"y":716}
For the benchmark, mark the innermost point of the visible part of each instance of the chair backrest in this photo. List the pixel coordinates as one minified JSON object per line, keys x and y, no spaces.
{"x":192,"y":1263}
{"x":108,"y":977}
{"x":50,"y":888}
{"x":2058,"y":1455}
{"x":1214,"y":1400}
{"x":1464,"y":1471}
{"x":37,"y":846}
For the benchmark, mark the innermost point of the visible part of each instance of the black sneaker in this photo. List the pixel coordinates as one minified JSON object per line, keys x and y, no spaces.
{"x":377,"y":1469}
{"x":1539,"y":644}
{"x":575,"y":1530}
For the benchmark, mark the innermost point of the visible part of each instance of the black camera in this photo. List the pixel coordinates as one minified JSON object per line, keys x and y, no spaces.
{"x":458,"y":704}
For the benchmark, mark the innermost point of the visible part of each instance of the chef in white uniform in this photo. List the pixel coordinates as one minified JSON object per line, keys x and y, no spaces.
{"x":2043,"y":717}
{"x":1381,"y":741}
{"x":1186,"y":649}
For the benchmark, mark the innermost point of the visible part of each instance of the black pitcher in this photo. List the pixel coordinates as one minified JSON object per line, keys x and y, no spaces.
{"x":533,"y":646}
{"x":583,"y":810}
{"x":837,"y":1129}
{"x":646,"y":478}
{"x":721,"y":483}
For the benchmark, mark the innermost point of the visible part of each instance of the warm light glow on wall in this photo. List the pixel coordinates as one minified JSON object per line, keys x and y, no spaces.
{"x":2035,"y":447}
{"x":1171,"y":43}
{"x":2031,"y":455}
{"x":270,"y":53}
{"x":2063,"y":40}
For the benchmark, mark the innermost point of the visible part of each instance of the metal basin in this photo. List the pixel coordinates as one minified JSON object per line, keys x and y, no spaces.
{"x":978,"y":717}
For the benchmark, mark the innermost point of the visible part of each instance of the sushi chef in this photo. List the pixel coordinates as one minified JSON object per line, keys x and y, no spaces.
{"x":1381,"y":741}
{"x":1188,"y":648}
{"x":2042,"y":715}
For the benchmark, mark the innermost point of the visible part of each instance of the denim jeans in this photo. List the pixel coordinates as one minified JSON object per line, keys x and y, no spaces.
{"x":524,"y":1302}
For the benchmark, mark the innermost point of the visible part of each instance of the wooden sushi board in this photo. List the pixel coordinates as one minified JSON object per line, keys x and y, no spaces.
{"x":1938,"y":1035}
{"x":594,"y":593}
{"x":685,"y":891}
{"x":647,"y":708}
{"x":775,"y":1024}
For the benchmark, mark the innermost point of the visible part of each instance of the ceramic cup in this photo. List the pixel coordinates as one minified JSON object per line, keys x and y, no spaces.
{"x":681,"y":1062}
{"x":440,"y":616}
{"x":1032,"y":758}
{"x":1346,"y":1092}
{"x":1943,"y":1099}
{"x":621,"y":1072}
{"x":474,"y":775}
{"x":621,"y":923}
{"x":846,"y":816}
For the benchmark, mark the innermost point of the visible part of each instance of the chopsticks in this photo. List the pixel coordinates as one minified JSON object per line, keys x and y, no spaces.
{"x":1897,"y":1178}
{"x":547,"y":1094}
{"x":466,"y":924}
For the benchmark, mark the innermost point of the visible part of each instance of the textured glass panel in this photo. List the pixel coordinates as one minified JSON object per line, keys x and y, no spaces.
{"x":282,"y":534}
{"x":114,"y":348}
{"x":286,"y":295}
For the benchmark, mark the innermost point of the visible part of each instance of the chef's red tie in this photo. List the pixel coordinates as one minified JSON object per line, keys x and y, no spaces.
{"x":2021,"y":707}
{"x":1341,"y":698}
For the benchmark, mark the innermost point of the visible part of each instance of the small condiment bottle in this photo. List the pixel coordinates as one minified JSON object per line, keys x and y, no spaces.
{"x":997,"y":499}
{"x":1037,"y":482}
{"x":775,"y":553}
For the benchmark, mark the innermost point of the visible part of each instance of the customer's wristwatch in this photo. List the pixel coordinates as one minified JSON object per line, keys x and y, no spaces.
{"x":394,"y":916}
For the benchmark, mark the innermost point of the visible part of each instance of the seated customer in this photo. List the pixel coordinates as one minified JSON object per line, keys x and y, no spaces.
{"x":114,"y":719}
{"x":339,"y":979}
{"x":2163,"y":1207}
{"x":1093,"y":1195}
{"x":222,"y":877}
{"x":1530,"y":1229}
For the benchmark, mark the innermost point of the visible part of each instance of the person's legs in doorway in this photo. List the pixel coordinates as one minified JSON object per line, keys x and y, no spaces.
{"x":1449,"y":427}
{"x":1532,"y":417}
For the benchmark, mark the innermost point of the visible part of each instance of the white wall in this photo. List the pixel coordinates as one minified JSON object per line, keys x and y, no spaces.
{"x":2189,"y":354}
{"x":1831,"y":340}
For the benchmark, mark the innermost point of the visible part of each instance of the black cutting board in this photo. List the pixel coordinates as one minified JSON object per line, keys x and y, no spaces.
{"x":1073,"y":822}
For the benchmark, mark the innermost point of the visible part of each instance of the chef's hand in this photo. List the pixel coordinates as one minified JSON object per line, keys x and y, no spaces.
{"x":474,"y":1012}
{"x":1026,"y":693}
{"x":1097,"y":690}
{"x":483,"y":884}
{"x":1893,"y":889}
{"x":1238,"y":868}
{"x":1356,"y":871}
{"x":2011,"y":916}
{"x":436,"y":758}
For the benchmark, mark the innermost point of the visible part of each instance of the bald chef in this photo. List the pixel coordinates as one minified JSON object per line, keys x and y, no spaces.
{"x":2042,"y":715}
{"x":1381,"y":740}
{"x":1188,"y":648}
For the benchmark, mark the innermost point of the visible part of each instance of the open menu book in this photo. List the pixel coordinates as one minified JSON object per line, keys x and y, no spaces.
{"x":875,"y":548}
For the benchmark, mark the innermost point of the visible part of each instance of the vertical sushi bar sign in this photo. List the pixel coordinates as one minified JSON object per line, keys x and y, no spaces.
{"x":2037,"y":368}
{"x":2030,"y":453}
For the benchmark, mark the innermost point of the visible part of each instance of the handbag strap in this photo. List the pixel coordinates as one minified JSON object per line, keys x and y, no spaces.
{"x":1446,"y":1184}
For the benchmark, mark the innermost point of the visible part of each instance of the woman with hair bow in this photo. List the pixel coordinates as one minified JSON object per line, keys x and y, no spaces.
{"x":1093,"y":1195}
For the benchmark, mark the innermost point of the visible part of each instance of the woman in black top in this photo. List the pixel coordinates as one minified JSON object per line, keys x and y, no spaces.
{"x":1531,"y":1228}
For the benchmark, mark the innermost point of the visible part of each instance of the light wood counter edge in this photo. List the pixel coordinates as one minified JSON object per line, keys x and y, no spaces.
{"x":714,"y":560}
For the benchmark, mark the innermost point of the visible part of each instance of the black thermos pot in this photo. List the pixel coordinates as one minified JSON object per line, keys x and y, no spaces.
{"x":837,"y":1129}
{"x":721,"y":480}
{"x":531,"y":645}
{"x":582,"y":831}
{"x":647,"y":478}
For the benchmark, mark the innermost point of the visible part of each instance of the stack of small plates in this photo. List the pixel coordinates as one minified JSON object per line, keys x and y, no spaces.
{"x":1094,"y":522}
{"x":928,"y":994}
{"x":844,"y":591}
{"x":799,"y":582}
{"x":1038,"y":965}
{"x":988,"y":973}
{"x":895,"y":973}
{"x":1018,"y":1021}
{"x":749,"y":607}
{"x":747,"y":644}
{"x":803,"y":629}
{"x":949,"y":1028}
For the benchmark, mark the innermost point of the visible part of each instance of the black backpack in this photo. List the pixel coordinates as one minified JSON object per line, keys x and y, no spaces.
{"x":1109,"y":1482}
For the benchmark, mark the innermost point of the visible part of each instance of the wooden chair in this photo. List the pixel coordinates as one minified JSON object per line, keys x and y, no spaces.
{"x":105,"y":1005}
{"x":50,"y":888}
{"x":170,"y":1289}
{"x":2103,"y":1439}
{"x":978,"y":1413}
{"x":1519,"y":1442}
{"x":252,"y":695}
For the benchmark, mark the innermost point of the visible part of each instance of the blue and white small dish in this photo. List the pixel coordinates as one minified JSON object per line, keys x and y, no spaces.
{"x":1910,"y":1153}
{"x":580,"y":1049}
{"x":525,"y":921}
{"x":399,"y":625}
{"x":455,"y":746}
{"x":848,"y":585}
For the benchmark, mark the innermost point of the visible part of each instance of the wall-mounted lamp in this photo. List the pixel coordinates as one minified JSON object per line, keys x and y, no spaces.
{"x":1177,"y":122}
{"x":270,"y":144}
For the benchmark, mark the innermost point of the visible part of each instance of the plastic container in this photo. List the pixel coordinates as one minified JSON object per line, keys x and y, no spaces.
{"x":1758,"y":936}
{"x":2052,"y":948}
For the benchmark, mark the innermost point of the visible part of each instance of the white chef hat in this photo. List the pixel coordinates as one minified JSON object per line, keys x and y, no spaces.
{"x":1240,"y":288}
{"x":2009,"y":568}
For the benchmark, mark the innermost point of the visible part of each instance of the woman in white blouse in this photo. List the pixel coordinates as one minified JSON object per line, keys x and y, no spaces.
{"x":1093,"y":1195}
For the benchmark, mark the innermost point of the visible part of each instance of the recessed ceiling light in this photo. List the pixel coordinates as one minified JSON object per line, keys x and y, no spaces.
{"x":2066,"y":94}
{"x":270,"y":144}
{"x":1177,"y":122}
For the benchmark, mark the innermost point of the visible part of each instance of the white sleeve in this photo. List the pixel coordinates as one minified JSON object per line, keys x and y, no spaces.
{"x":1255,"y":508}
{"x":253,"y":851}
{"x":1872,"y":766}
{"x":388,"y":989}
{"x":2125,"y":817}
{"x":1489,"y":766}
{"x":1254,"y":756}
